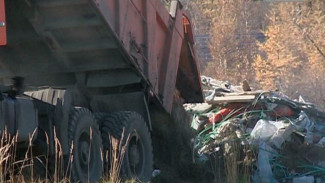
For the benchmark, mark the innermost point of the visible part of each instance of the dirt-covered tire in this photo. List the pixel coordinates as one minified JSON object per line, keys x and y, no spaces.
{"x":85,"y":141}
{"x":138,"y":157}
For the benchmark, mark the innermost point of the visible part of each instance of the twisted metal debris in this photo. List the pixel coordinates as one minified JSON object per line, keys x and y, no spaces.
{"x":286,"y":136}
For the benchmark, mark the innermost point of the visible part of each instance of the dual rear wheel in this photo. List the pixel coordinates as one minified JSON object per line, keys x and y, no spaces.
{"x":89,"y":139}
{"x":131,"y":129}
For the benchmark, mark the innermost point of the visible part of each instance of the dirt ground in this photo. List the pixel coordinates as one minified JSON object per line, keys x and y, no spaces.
{"x":173,"y":149}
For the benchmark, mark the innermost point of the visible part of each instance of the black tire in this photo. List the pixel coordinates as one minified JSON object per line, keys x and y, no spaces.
{"x":35,"y":171}
{"x":139,"y":145}
{"x":108,"y":127}
{"x":86,"y":146}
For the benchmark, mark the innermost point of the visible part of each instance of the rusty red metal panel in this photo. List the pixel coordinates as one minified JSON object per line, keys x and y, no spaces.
{"x":3,"y":36}
{"x":188,"y":76}
{"x":168,"y":70}
{"x":154,"y":39}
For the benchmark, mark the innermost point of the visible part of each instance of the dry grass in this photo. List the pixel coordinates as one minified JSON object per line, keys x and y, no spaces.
{"x":7,"y":156}
{"x":117,"y":152}
{"x":26,"y":169}
{"x":232,"y":152}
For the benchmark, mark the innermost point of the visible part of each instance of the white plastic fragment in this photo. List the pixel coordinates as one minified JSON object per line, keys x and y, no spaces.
{"x":155,"y":173}
{"x":265,"y":174}
{"x":321,"y":142}
{"x":282,"y":134}
{"x":318,"y":180}
{"x":198,"y":108}
{"x":272,"y":132}
{"x":263,"y":130}
{"x":304,"y":123}
{"x":304,"y":179}
{"x":301,"y":99}
{"x":321,"y":164}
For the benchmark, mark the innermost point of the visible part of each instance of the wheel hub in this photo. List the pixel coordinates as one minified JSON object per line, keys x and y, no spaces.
{"x":136,"y":155}
{"x":85,"y":143}
{"x":84,"y":152}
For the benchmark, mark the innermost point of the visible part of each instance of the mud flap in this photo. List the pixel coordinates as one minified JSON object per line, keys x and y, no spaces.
{"x":3,"y":35}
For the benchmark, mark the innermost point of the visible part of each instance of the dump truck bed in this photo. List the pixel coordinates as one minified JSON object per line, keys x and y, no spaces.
{"x":110,"y":45}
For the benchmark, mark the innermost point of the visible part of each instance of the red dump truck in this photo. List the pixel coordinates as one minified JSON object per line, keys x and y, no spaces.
{"x":81,"y":70}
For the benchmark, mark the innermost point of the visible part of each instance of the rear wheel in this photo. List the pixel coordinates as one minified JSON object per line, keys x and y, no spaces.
{"x":85,"y":141}
{"x":138,"y":157}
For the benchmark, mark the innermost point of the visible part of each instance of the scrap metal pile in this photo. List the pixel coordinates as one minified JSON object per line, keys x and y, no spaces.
{"x":280,"y":139}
